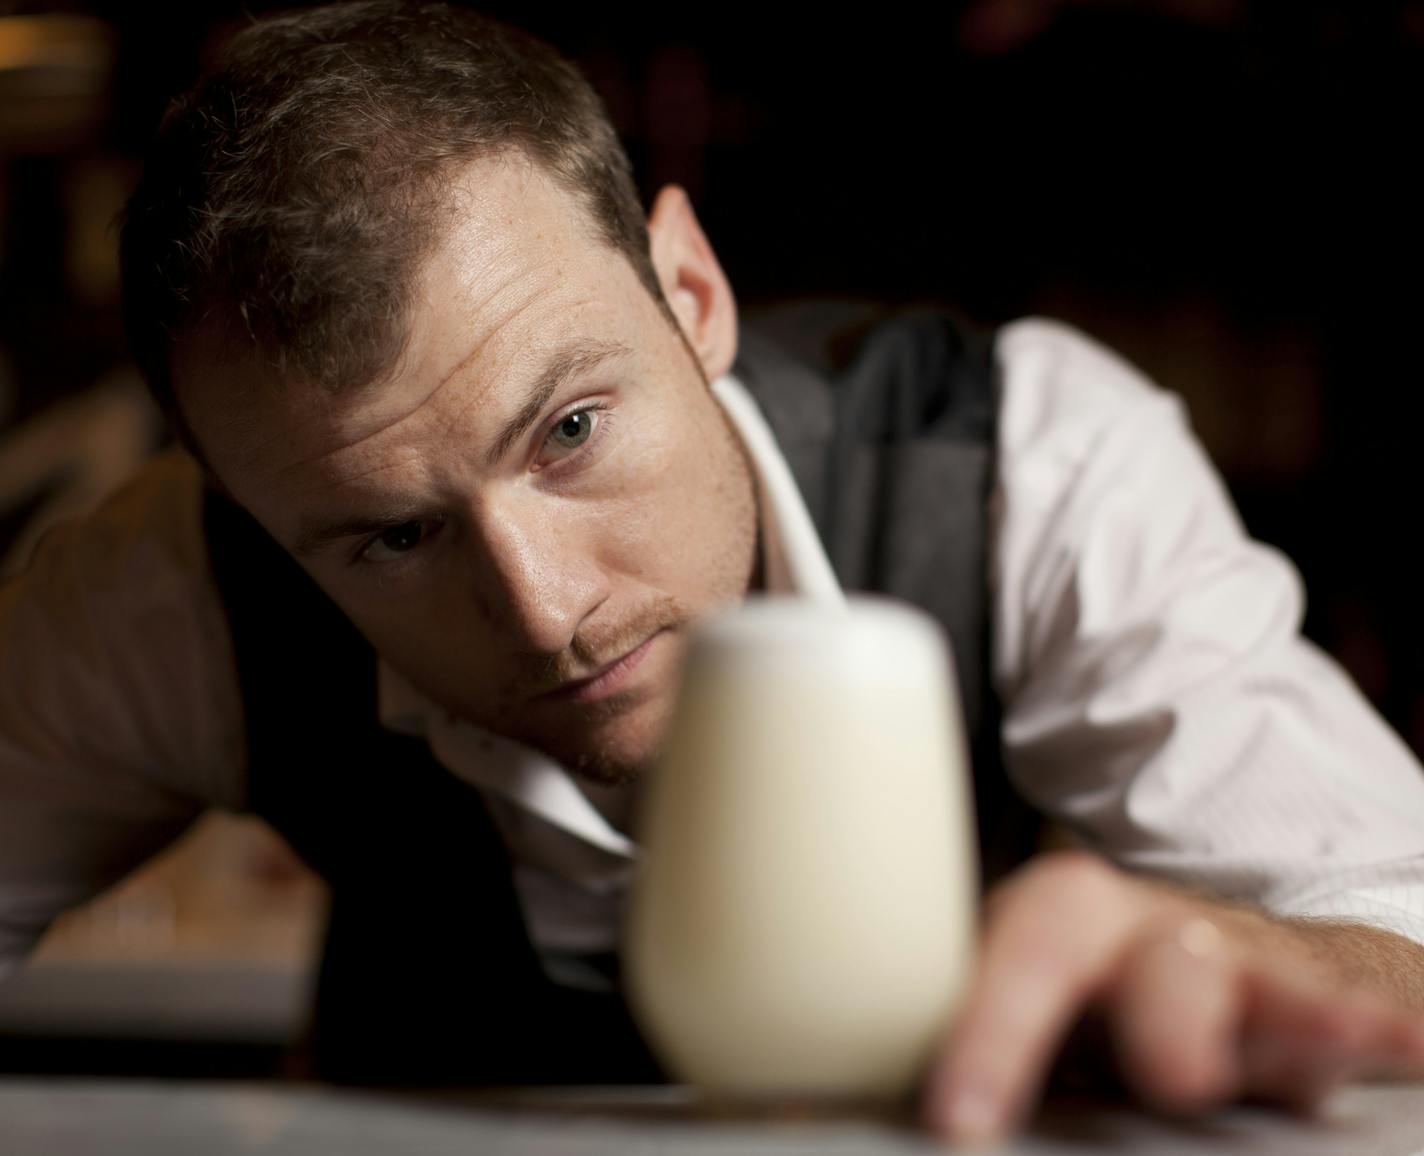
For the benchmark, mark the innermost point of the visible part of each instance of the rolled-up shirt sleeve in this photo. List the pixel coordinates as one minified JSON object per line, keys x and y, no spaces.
{"x":1159,"y":698}
{"x":120,"y":718}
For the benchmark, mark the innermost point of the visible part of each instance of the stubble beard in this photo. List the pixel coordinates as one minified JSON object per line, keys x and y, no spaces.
{"x":598,"y":764}
{"x":601,"y":765}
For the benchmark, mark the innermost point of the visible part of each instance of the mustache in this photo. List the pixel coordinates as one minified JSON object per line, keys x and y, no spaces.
{"x":599,"y":645}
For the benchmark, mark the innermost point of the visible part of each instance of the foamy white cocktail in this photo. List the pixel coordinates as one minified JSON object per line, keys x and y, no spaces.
{"x":804,"y":921}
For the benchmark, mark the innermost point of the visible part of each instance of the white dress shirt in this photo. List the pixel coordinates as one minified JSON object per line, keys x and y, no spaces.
{"x":1158,"y":697}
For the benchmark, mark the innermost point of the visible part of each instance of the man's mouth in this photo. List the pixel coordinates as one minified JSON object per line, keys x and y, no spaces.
{"x":606,"y":681}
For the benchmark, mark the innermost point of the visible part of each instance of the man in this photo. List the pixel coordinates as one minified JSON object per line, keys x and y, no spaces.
{"x":388,"y":273}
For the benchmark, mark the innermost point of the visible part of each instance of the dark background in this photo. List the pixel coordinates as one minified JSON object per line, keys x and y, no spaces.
{"x":1225,"y":191}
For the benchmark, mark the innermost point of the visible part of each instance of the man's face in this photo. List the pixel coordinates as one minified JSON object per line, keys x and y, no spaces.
{"x":543,"y":487}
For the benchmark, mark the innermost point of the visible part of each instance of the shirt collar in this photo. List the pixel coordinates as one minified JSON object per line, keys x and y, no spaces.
{"x":793,"y":563}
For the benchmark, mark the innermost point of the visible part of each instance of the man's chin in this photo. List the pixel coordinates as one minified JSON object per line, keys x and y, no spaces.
{"x":615,"y":747}
{"x":607,"y":771}
{"x":608,"y":765}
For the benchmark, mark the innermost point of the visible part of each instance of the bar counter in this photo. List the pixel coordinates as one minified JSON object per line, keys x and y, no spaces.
{"x":177,"y":1118}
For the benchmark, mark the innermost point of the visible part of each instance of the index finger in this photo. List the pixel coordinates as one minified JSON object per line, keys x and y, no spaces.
{"x":1051,"y":938}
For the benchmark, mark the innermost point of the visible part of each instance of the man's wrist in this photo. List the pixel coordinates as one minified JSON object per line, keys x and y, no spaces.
{"x":1341,"y":954}
{"x":1357,"y":954}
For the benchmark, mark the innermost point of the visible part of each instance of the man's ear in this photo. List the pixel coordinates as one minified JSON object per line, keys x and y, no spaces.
{"x":693,"y":281}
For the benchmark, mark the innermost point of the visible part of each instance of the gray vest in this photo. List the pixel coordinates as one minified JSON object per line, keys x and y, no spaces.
{"x":428,"y":974}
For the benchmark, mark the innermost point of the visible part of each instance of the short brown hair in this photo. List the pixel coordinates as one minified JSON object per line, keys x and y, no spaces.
{"x":292,"y":193}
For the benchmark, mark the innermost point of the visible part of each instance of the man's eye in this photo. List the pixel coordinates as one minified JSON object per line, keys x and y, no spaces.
{"x":574,"y":436}
{"x":573,"y":430}
{"x":395,"y":542}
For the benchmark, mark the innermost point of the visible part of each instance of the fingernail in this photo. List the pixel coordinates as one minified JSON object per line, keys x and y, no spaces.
{"x":973,"y":1115}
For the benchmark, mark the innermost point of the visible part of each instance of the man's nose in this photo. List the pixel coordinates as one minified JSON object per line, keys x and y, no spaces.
{"x":535,"y":573}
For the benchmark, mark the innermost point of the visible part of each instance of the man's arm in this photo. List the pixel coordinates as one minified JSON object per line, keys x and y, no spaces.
{"x":119,"y":711}
{"x":1160,"y":701}
{"x":1162,"y":705}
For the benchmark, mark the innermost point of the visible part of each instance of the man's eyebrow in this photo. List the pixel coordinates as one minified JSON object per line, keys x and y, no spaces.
{"x":315,"y":537}
{"x":573,"y":357}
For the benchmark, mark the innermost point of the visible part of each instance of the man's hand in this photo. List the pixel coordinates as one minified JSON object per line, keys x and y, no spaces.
{"x":1204,"y":1002}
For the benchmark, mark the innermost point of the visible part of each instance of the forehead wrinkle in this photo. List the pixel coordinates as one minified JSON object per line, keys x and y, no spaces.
{"x":529,"y":277}
{"x":477,"y":387}
{"x":407,"y":456}
{"x":492,"y":332}
{"x":253,"y":438}
{"x":557,"y":360}
{"x":484,"y":384}
{"x":449,"y":378}
{"x":392,"y":426}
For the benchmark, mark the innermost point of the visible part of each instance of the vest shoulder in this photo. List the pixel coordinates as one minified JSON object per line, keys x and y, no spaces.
{"x":828,"y":334}
{"x":874,"y":371}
